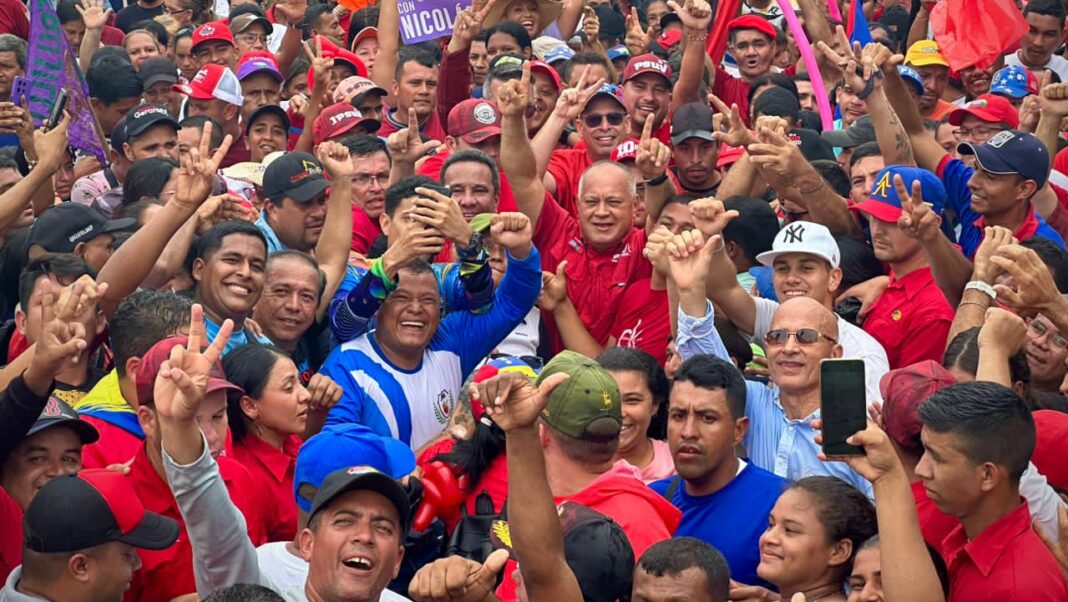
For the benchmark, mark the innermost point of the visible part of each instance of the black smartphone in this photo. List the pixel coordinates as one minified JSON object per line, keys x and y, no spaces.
{"x":57,"y":109}
{"x":843,"y":407}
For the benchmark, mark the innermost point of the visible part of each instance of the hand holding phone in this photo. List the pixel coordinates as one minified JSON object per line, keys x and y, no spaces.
{"x":843,"y":407}
{"x":57,"y":109}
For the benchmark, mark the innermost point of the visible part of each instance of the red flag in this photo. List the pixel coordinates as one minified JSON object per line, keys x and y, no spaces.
{"x":976,"y":32}
{"x":717,"y":41}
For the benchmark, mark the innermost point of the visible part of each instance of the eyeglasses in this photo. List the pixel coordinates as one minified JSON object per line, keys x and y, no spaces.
{"x":366,"y":179}
{"x":978,"y":134}
{"x":804,"y":336}
{"x":596,"y":119}
{"x":252,"y":38}
{"x":1039,"y":330}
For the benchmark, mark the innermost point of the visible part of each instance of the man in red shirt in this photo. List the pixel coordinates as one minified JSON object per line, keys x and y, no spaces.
{"x":752,"y":42}
{"x":420,"y":84}
{"x":371,"y":163}
{"x":978,"y":438}
{"x":647,"y":94}
{"x":911,"y":319}
{"x":216,"y":92}
{"x":601,"y":247}
{"x":168,"y":573}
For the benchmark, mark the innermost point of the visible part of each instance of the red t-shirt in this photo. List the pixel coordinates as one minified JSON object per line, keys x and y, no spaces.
{"x":934,"y":524}
{"x":10,"y":534}
{"x":911,"y":319}
{"x":237,"y":153}
{"x":1007,"y":561}
{"x":167,"y":574}
{"x":643,"y":321}
{"x":493,"y":481}
{"x":431,"y":168}
{"x":596,"y":281}
{"x":115,"y":446}
{"x":272,"y":471}
{"x":13,"y":19}
{"x":364,"y":230}
{"x":432,"y":129}
{"x":566,"y":166}
{"x":732,"y":90}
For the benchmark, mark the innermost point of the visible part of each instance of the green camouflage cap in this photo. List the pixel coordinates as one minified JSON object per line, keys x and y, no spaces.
{"x":589,"y":396}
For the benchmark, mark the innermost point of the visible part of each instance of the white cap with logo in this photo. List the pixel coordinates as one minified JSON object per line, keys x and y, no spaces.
{"x":803,"y":237}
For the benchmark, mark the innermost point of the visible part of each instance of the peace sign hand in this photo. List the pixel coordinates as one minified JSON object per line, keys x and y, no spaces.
{"x":573,"y":101}
{"x":636,"y":39}
{"x":196,"y":177}
{"x":737,"y":134}
{"x":918,"y":220}
{"x":182,"y":381}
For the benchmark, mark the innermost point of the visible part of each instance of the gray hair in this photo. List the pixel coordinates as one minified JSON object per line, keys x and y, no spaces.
{"x":632,"y":186}
{"x":13,"y":43}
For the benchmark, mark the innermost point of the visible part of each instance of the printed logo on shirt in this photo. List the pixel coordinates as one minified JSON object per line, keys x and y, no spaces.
{"x":630,"y":337}
{"x":895,"y":315}
{"x":443,"y":406}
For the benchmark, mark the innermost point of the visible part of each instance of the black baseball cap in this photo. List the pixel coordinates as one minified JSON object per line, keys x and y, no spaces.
{"x":91,"y":508}
{"x":1011,"y":152}
{"x":860,"y":131}
{"x":691,"y":120}
{"x":57,"y":413}
{"x":63,"y":226}
{"x":118,"y":134}
{"x":298,"y":176}
{"x":146,"y":115}
{"x":813,"y":146}
{"x":157,"y":69}
{"x":264,"y":110}
{"x":362,"y":478}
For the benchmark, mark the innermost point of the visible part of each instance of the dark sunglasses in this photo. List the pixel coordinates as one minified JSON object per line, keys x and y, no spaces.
{"x":595,"y":120}
{"x":805,"y":336}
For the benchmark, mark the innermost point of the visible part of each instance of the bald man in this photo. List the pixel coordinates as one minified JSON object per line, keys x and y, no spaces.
{"x":780,"y":437}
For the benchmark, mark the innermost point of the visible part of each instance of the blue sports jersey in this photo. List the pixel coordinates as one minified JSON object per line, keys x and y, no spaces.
{"x":414,"y":406}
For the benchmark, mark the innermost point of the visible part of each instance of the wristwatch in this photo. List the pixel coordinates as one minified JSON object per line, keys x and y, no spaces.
{"x":986,"y":289}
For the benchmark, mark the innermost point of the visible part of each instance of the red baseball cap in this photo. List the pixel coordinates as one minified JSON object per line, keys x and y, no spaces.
{"x":669,"y":38}
{"x":544,"y":68}
{"x":903,"y":391}
{"x":213,"y":81}
{"x":215,"y":30}
{"x":626,"y":151}
{"x":474,"y":120}
{"x":339,"y":118}
{"x":647,"y":63}
{"x":1051,"y":444}
{"x":753,"y":22}
{"x":363,"y":34}
{"x":990,"y":108}
{"x":145,"y":377}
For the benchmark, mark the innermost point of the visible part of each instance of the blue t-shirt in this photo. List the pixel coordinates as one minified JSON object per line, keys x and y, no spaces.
{"x":731,"y":519}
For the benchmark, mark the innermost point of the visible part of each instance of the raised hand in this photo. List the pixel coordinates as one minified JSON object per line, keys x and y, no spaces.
{"x":591,"y":27}
{"x":196,"y":176}
{"x":879,"y":457}
{"x":1002,"y":330}
{"x":406,"y":145}
{"x":291,"y":11}
{"x":320,"y":64}
{"x":1034,"y":290}
{"x":442,"y":213}
{"x":1030,"y":112}
{"x":325,"y":393}
{"x":457,"y":579}
{"x":222,"y":208}
{"x":415,"y":240}
{"x":776,"y":156}
{"x":656,"y":249}
{"x":710,"y":216}
{"x":513,"y":97}
{"x":737,"y":134}
{"x":695,"y":14}
{"x":469,"y":23}
{"x":182,"y":381}
{"x":62,"y":339}
{"x":553,"y":288}
{"x":653,"y":155}
{"x":573,"y":101}
{"x":636,"y":39}
{"x":1054,"y":97}
{"x":93,"y":13}
{"x":512,"y":231}
{"x":512,"y":400}
{"x":691,"y":257}
{"x":335,"y":159}
{"x":994,"y":237}
{"x":51,"y":145}
{"x":917,"y":219}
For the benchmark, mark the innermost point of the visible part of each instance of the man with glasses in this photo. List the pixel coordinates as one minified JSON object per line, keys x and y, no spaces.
{"x":213,"y":43}
{"x":1046,"y":349}
{"x":801,"y":333}
{"x":250,"y":32}
{"x":983,"y":117}
{"x":403,"y":378}
{"x":372,"y":163}
{"x":804,"y":258}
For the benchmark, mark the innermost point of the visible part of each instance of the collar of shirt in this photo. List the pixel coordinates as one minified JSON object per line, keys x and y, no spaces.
{"x":987,"y":548}
{"x":150,"y":487}
{"x":913,"y":282}
{"x":277,"y":462}
{"x":10,"y":594}
{"x":273,"y":243}
{"x":1025,"y":231}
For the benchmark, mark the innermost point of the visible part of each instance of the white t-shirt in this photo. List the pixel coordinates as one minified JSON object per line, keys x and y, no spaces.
{"x":1057,"y":64}
{"x":856,"y":344}
{"x":288,"y":573}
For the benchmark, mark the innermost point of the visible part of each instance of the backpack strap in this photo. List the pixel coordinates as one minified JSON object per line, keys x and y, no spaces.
{"x":672,"y":488}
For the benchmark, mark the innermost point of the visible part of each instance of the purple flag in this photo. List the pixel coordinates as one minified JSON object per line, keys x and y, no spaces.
{"x":422,"y":20}
{"x":50,"y":66}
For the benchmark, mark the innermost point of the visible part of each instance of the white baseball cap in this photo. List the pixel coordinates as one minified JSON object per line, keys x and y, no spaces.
{"x":213,"y":81}
{"x":803,"y":237}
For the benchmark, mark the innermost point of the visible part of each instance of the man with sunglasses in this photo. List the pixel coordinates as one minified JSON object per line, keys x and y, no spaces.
{"x":804,"y":258}
{"x":802,"y":333}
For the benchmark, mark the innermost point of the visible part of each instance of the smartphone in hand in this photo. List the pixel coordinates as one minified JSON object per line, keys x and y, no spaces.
{"x":56,"y":114}
{"x":843,"y":407}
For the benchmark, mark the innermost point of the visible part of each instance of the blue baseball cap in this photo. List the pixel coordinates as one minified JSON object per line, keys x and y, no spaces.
{"x":610,"y":91}
{"x":341,"y":446}
{"x":885,"y":205}
{"x":618,"y":52}
{"x":1011,"y":81}
{"x":911,"y":76}
{"x":558,"y":53}
{"x":1011,"y":152}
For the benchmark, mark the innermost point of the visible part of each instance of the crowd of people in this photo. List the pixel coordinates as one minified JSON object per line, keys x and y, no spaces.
{"x":537,"y":310}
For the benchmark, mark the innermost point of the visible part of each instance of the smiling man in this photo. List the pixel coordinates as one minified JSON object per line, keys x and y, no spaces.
{"x":647,"y":92}
{"x":1045,"y":32}
{"x":293,"y":218}
{"x":265,"y":132}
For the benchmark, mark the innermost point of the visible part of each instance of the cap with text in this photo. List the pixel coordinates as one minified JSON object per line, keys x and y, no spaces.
{"x":298,"y":176}
{"x":803,"y":237}
{"x":213,"y":82}
{"x":647,"y":63}
{"x":146,"y":115}
{"x":1011,"y":152}
{"x":63,"y":227}
{"x":339,"y":119}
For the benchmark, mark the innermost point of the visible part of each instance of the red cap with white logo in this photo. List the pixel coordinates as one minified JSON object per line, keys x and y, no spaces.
{"x":216,"y":30}
{"x":340,"y":118}
{"x":647,"y":63}
{"x":213,"y":82}
{"x":626,"y":151}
